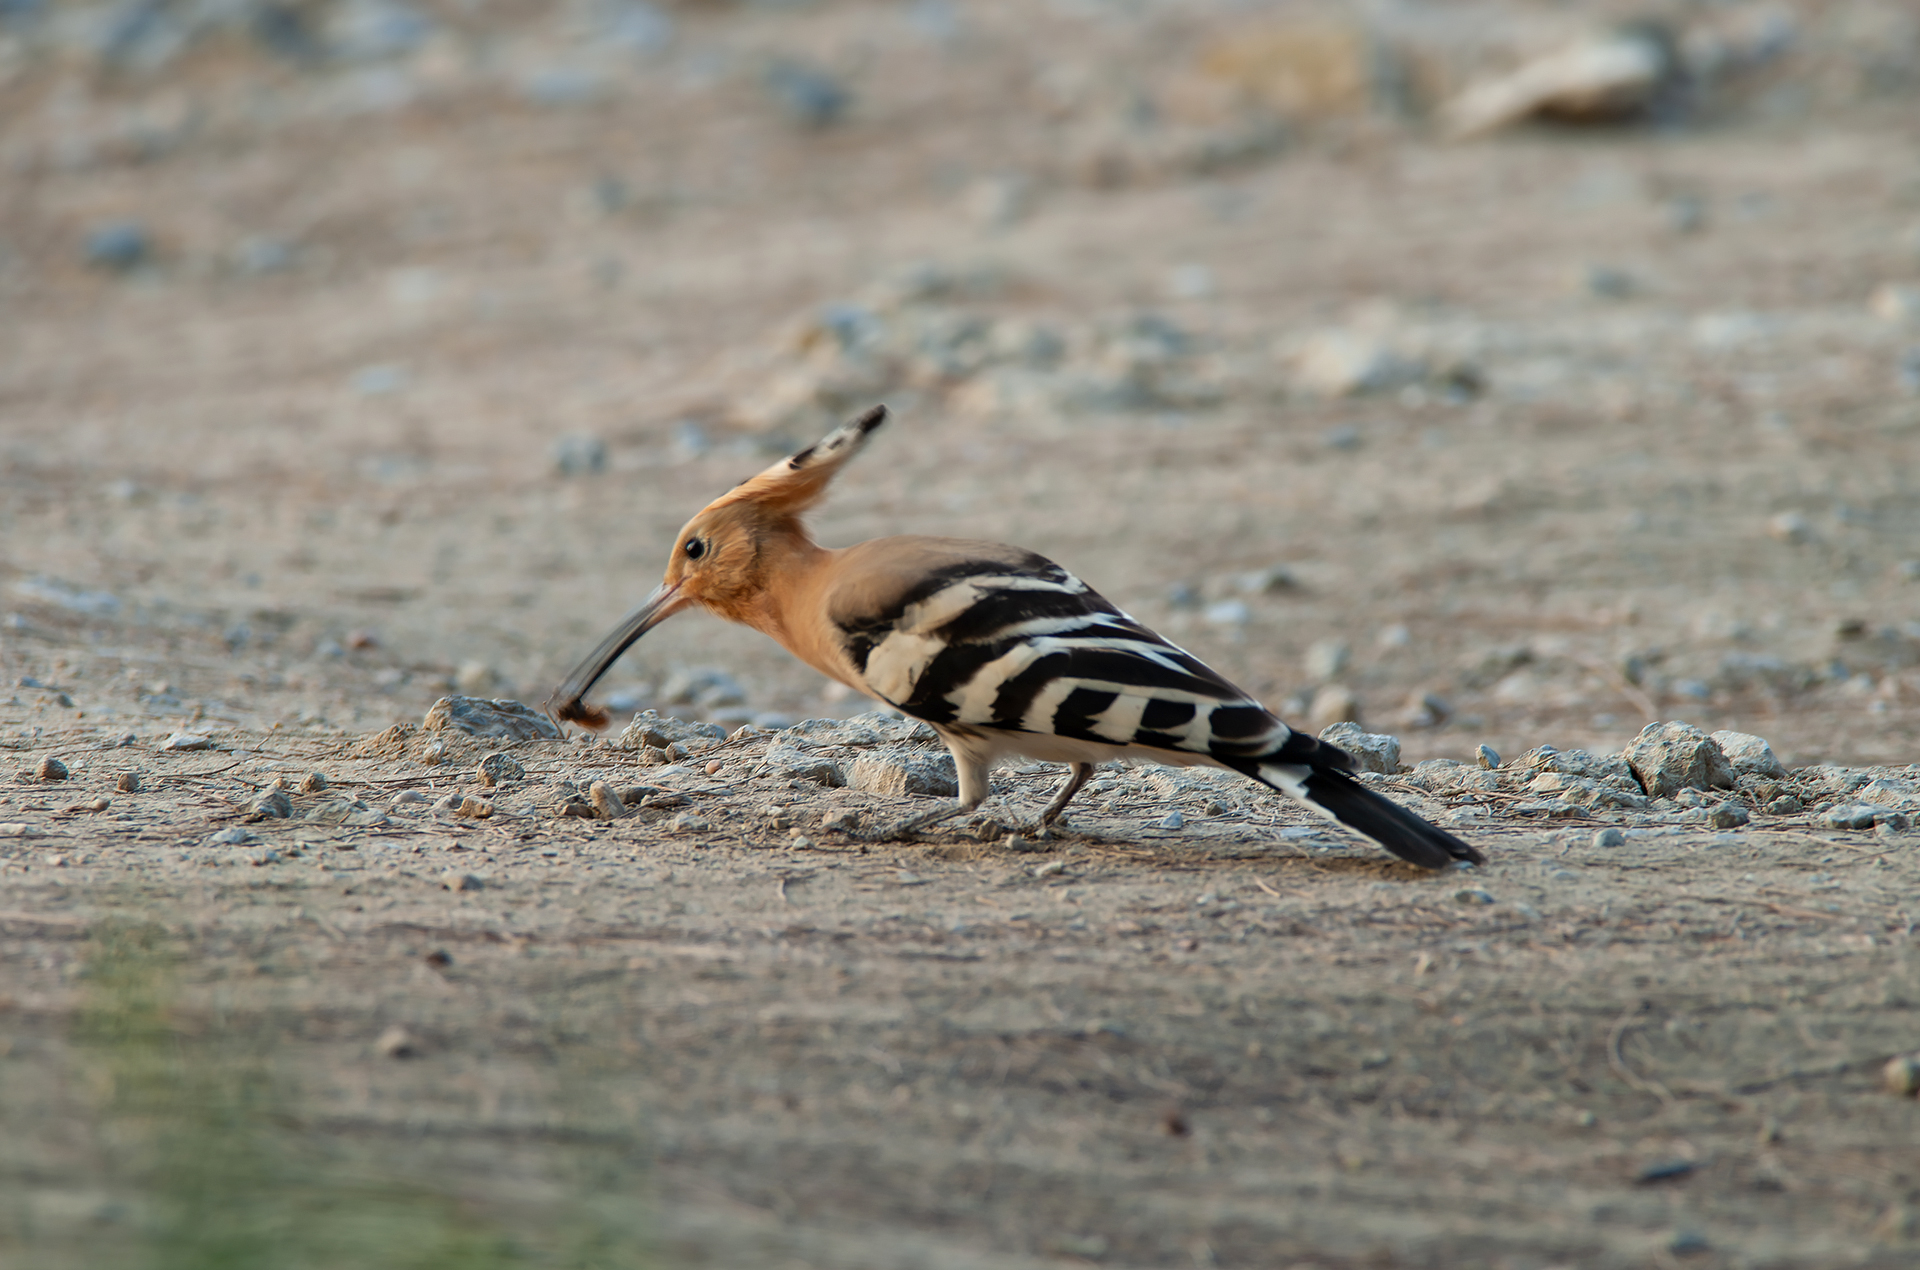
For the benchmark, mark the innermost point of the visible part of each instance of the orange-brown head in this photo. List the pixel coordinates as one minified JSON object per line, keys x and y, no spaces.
{"x":723,"y":558}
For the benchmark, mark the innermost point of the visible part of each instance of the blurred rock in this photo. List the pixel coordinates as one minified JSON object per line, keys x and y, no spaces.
{"x":1897,"y":303}
{"x":1790,"y":527}
{"x":580,"y":454}
{"x":809,"y":97}
{"x":262,"y":255}
{"x":1372,"y":751}
{"x":1327,"y":659}
{"x":1305,"y":68}
{"x":498,"y":717}
{"x":1334,"y":703}
{"x":1749,"y":754}
{"x":1425,"y":710}
{"x":119,"y":247}
{"x":1611,"y":76}
{"x":1343,"y":363}
{"x":1669,"y":757}
{"x":373,"y":30}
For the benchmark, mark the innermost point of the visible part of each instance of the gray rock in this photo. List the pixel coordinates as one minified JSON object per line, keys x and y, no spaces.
{"x":1473,"y":896}
{"x":1669,"y":757}
{"x":188,"y":741}
{"x":1729,"y":816}
{"x":498,"y":767}
{"x":1749,"y":754}
{"x":313,"y":782}
{"x":1326,"y":659}
{"x":1372,"y":751}
{"x":1334,"y":703}
{"x":663,"y":731}
{"x":460,"y":880}
{"x":704,"y":686}
{"x":792,"y":763}
{"x":1173,"y":820}
{"x":1857,"y":815}
{"x":263,"y":255}
{"x":578,"y":455}
{"x":1445,"y":776}
{"x":50,"y":769}
{"x":809,"y":97}
{"x":120,"y":247}
{"x":607,"y":801}
{"x":127,"y":782}
{"x":687,"y":822}
{"x":1609,"y":838}
{"x":1585,"y":791}
{"x":1487,"y":757}
{"x":489,"y":717}
{"x":812,"y":733}
{"x":1785,"y":805}
{"x":231,"y":837}
{"x":901,"y":771}
{"x":1599,"y":767}
{"x":1340,"y":363}
{"x":272,"y":804}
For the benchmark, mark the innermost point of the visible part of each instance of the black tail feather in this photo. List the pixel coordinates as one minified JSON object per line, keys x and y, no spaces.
{"x":1386,"y":822}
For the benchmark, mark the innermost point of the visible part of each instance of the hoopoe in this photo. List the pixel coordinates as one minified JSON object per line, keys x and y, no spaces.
{"x":1001,"y":651}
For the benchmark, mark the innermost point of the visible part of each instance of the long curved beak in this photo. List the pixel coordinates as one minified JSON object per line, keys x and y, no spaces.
{"x":568,"y":704}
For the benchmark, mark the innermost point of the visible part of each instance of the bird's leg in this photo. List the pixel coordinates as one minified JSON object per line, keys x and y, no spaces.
{"x":973,"y":792}
{"x":1077,"y":776}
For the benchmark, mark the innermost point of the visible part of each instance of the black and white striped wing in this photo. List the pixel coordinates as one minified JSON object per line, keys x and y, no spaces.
{"x":1025,"y":646}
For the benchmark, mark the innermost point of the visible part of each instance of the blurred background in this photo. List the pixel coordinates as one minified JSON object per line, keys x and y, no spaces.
{"x":1504,"y":372}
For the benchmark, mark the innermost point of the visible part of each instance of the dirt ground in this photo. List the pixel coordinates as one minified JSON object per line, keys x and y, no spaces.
{"x":424,"y":354}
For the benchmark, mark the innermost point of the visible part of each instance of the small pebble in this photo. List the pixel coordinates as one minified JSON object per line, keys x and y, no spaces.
{"x":56,"y":861}
{"x":1730,"y":816}
{"x":472,"y":808}
{"x":841,"y":821}
{"x":266,"y":855}
{"x":1687,"y":1243}
{"x":313,"y":782}
{"x":397,"y":1042}
{"x":1173,"y":820}
{"x":1901,"y":1075}
{"x":433,"y":753}
{"x":96,"y":804}
{"x":51,"y":769}
{"x":188,"y":741}
{"x":687,"y":822}
{"x":1052,"y":868}
{"x":405,"y":796}
{"x":713,"y":767}
{"x":1785,"y":805}
{"x":809,"y":97}
{"x":1665,"y":1171}
{"x":456,"y":880}
{"x":1609,"y":838}
{"x":231,"y":837}
{"x":498,"y":767}
{"x":1473,"y":895}
{"x":1487,"y":757}
{"x":119,"y":247}
{"x":606,"y":801}
{"x":272,"y":804}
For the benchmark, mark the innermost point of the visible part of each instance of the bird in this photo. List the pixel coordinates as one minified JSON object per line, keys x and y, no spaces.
{"x":998,"y":649}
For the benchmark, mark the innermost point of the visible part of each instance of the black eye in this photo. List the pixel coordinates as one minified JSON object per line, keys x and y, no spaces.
{"x":695,"y":548}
